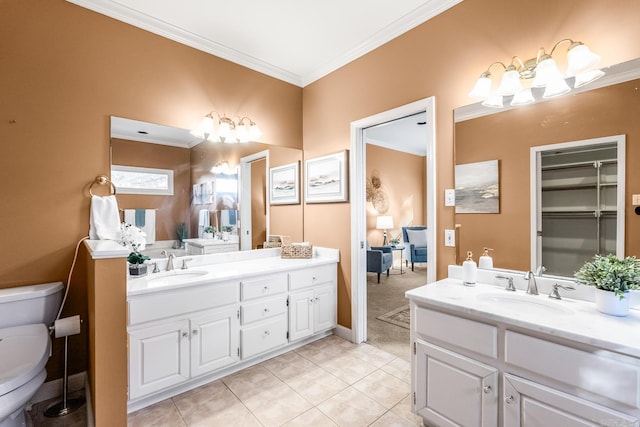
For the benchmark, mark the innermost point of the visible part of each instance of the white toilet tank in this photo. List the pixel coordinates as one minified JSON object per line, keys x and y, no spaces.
{"x":24,"y":305}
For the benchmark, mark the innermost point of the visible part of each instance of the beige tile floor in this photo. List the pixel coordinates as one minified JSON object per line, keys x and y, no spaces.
{"x":330,"y":382}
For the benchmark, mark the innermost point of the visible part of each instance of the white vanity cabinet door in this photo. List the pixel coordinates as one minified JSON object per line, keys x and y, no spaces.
{"x":324,"y":308}
{"x":454,"y":390}
{"x":300,"y":314}
{"x":529,"y":404}
{"x":214,"y":340}
{"x":158,"y":357}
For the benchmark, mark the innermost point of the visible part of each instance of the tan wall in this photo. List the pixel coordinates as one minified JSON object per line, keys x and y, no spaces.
{"x":508,"y":137}
{"x":170,"y":210}
{"x":443,"y":58}
{"x":402,"y":180}
{"x":65,"y":71}
{"x":258,"y":203}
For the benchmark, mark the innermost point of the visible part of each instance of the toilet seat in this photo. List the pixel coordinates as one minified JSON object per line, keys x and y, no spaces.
{"x":24,"y":351}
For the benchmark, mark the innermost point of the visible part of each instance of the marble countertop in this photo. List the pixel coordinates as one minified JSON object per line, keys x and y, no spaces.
{"x":206,"y":269}
{"x":571,"y":319}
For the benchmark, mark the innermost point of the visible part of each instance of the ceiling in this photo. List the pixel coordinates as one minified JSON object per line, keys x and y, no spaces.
{"x":297,"y":41}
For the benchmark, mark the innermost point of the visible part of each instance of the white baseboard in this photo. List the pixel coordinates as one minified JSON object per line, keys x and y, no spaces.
{"x":52,"y":389}
{"x":344,"y":333}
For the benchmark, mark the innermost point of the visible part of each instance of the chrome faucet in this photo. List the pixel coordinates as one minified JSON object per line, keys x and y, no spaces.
{"x":554,"y":290}
{"x":170,"y":262}
{"x":532,"y":287}
{"x":510,"y":286}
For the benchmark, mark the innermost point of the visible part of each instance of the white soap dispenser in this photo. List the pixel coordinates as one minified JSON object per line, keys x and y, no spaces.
{"x":469,"y":271}
{"x":485,"y":261}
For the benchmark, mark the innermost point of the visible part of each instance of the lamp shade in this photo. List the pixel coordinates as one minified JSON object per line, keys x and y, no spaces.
{"x":587,"y":77}
{"x":510,"y":84}
{"x":556,"y":87}
{"x":581,"y":59}
{"x":384,"y":222}
{"x":546,"y":71}
{"x":494,"y":101}
{"x":482,"y":89}
{"x":523,"y":97}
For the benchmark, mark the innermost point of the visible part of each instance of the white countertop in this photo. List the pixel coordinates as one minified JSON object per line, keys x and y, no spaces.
{"x":220,"y":267}
{"x":212,"y":242}
{"x":582,"y":324}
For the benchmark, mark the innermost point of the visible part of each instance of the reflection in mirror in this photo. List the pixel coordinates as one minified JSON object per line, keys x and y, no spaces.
{"x":511,"y":137}
{"x":202,"y":186}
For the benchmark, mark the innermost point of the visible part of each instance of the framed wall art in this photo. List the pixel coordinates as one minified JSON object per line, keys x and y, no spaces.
{"x":477,"y":187}
{"x":284,"y":184}
{"x":326,"y":178}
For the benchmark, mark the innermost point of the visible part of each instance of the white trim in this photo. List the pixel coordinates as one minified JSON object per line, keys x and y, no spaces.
{"x":358,"y":205}
{"x":615,"y":74}
{"x":535,"y":196}
{"x":122,"y":13}
{"x":344,"y":333}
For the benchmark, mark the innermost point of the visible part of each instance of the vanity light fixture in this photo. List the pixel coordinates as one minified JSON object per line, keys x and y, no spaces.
{"x":540,"y":72}
{"x":224,"y":129}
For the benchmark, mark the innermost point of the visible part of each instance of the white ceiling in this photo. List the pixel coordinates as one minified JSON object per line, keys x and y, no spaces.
{"x":297,"y":41}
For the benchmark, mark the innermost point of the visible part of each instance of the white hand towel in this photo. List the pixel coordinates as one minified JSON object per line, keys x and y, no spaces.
{"x":203,"y":221}
{"x":149,"y":226}
{"x":104,"y":220}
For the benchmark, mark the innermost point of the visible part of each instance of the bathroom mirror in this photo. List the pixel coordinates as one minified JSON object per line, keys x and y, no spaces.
{"x":203,"y":164}
{"x":609,"y":108}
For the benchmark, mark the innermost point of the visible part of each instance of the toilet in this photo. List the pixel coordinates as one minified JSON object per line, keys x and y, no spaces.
{"x":25,"y":345}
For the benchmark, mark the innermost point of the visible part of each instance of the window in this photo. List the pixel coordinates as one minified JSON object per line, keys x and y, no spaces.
{"x":138,"y":180}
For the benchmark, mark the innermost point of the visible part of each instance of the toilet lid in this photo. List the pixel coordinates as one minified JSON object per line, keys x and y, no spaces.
{"x":24,"y":351}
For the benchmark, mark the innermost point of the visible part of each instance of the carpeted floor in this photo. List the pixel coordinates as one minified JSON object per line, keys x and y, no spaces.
{"x":388,"y":297}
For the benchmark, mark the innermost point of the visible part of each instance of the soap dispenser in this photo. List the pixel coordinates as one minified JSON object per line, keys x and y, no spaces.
{"x":485,"y":261}
{"x":469,"y":271}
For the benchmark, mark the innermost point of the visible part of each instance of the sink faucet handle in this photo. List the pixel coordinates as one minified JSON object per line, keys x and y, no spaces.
{"x":155,"y":267}
{"x":163,"y":253}
{"x":184,"y":263}
{"x":510,"y":286}
{"x":554,"y":290}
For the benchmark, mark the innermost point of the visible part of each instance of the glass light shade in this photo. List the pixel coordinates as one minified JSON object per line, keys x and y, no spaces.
{"x":206,"y":125}
{"x":254,"y":132}
{"x":581,"y":59}
{"x":546,"y":71}
{"x":482,"y":89}
{"x":523,"y":97}
{"x":556,"y":87}
{"x":384,"y":222}
{"x":242,"y":133}
{"x":494,"y":101}
{"x":510,"y":84}
{"x":587,"y":77}
{"x":224,"y":131}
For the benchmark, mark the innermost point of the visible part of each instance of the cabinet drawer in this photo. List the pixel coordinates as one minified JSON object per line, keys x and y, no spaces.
{"x":463,"y":333}
{"x":616,"y":379}
{"x":263,"y":286}
{"x":263,"y":336}
{"x":160,"y":305}
{"x":263,"y":309}
{"x":311,"y":276}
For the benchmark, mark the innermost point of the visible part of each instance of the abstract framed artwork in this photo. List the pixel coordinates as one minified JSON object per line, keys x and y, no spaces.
{"x":326,"y":178}
{"x":477,"y":187}
{"x":284,"y":184}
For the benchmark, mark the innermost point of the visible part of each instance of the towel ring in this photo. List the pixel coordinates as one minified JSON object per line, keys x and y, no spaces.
{"x":102,"y":180}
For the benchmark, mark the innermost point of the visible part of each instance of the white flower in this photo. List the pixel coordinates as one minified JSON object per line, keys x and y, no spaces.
{"x":132,"y":237}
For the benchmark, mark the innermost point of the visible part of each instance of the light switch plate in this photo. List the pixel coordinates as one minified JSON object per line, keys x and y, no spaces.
{"x":635,"y":200}
{"x":450,"y":238}
{"x":449,"y":197}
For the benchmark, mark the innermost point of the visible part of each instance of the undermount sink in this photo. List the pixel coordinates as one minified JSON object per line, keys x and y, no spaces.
{"x":513,"y":302}
{"x":174,"y":277}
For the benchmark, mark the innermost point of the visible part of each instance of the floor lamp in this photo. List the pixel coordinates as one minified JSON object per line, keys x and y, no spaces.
{"x":384,"y":222}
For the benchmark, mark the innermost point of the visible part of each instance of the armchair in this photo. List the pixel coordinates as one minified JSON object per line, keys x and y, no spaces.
{"x":415,"y":238}
{"x":379,"y":259}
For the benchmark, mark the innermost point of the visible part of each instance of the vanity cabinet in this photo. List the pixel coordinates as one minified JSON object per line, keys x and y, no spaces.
{"x":172,"y":351}
{"x":312,"y":301}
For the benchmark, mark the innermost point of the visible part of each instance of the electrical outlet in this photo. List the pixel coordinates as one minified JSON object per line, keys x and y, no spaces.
{"x":449,"y":197}
{"x":450,"y":238}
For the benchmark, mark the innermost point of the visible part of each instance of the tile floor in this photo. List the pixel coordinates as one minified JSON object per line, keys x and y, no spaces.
{"x":330,"y":382}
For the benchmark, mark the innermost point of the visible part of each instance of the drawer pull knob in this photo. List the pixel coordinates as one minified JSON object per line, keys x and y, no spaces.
{"x":486,"y":389}
{"x":314,"y":278}
{"x":266,"y":288}
{"x":194,"y":332}
{"x":266,"y":310}
{"x":185,"y":334}
{"x":508,"y":399}
{"x":266,"y":333}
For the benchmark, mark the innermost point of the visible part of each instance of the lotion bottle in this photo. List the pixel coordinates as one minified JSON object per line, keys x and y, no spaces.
{"x":469,"y":271}
{"x":485,"y":261}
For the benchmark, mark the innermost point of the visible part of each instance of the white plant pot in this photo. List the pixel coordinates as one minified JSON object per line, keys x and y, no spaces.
{"x":207,"y":235}
{"x":608,"y":302}
{"x":225,"y":236}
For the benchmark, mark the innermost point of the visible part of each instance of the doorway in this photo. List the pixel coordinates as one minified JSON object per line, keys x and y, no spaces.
{"x":254,"y":205}
{"x":358,"y":205}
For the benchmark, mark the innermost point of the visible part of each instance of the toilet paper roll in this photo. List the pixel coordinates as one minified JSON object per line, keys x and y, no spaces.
{"x":67,"y":326}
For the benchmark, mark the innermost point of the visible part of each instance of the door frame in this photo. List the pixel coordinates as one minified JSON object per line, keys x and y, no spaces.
{"x":244,"y":200}
{"x":357,"y":161}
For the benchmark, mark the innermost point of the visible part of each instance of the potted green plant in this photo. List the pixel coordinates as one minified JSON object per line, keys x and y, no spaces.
{"x":613,"y":278}
{"x":395,"y":241}
{"x":137,"y":267}
{"x":226,"y":229}
{"x":208,"y":232}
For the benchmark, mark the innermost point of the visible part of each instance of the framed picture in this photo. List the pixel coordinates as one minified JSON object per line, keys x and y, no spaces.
{"x":477,"y":187}
{"x":284,"y":184}
{"x":326,"y":179}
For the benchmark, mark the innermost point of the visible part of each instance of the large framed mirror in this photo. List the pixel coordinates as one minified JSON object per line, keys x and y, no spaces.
{"x":224,"y":183}
{"x":527,"y":139}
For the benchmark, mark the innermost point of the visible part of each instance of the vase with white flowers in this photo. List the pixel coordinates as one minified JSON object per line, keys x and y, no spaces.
{"x":135,"y":240}
{"x":613,"y":278}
